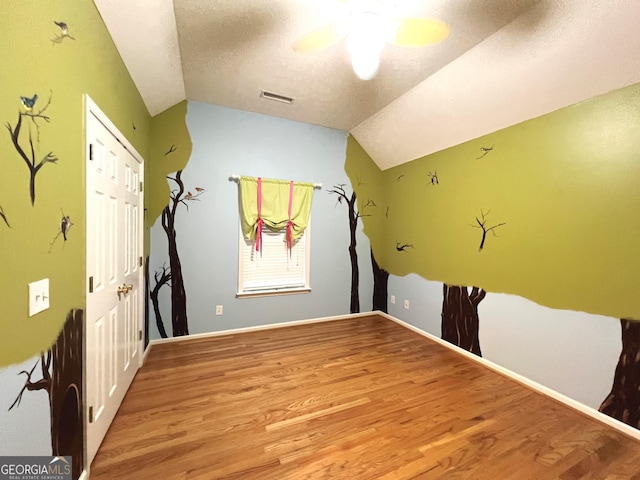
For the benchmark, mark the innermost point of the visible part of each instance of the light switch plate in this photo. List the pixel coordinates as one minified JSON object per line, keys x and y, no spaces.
{"x":38,"y":296}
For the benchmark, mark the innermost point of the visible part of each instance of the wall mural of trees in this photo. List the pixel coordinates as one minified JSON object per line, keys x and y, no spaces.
{"x":146,"y":301}
{"x":519,"y":173}
{"x":380,"y":276}
{"x":380,"y":285}
{"x":354,"y":215}
{"x":179,"y":323}
{"x":31,"y":158}
{"x":460,"y":322}
{"x":161,"y":277}
{"x":60,"y":370}
{"x":623,"y":402}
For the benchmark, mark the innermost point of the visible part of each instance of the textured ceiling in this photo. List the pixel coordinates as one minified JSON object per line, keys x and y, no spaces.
{"x":505,"y":61}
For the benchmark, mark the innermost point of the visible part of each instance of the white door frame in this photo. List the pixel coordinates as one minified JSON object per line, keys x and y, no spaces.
{"x":91,"y":109}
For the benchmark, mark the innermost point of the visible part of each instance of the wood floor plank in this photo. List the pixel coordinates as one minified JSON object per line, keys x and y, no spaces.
{"x":361,"y":398}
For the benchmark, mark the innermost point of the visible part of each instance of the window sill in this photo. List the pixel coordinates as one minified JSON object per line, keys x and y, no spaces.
{"x":272,"y":293}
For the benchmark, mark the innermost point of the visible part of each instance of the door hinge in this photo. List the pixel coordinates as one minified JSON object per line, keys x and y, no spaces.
{"x":141,"y":186}
{"x":140,"y":261}
{"x":91,"y":151}
{"x":139,"y":334}
{"x":90,"y":284}
{"x":91,"y":414}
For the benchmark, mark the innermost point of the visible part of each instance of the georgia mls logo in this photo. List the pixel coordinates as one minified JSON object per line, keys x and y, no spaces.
{"x":60,"y":466}
{"x":35,"y":468}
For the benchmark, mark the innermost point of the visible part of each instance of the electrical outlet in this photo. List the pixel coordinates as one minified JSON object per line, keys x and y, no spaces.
{"x":38,"y":296}
{"x":392,"y":299}
{"x":406,"y":304}
{"x":218,"y":309}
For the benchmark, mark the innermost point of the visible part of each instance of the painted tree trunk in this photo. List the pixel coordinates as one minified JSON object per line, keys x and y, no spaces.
{"x":178,"y":294}
{"x":162,"y":278}
{"x":380,"y":286}
{"x":146,"y":302}
{"x":32,"y":187}
{"x":354,"y":305}
{"x":460,"y":320}
{"x":65,"y":392}
{"x":623,"y":403}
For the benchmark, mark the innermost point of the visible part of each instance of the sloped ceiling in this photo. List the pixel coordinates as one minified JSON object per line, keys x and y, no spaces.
{"x":505,"y":61}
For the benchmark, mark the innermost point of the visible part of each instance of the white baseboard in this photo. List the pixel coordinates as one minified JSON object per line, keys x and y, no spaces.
{"x":571,"y":403}
{"x":272,"y":326}
{"x":84,"y":475}
{"x":145,"y":354}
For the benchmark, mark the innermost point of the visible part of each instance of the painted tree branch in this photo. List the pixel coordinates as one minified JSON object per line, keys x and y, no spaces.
{"x":43,"y":384}
{"x":162,"y":278}
{"x":30,"y":159}
{"x":485,"y":230}
{"x":39,"y":115}
{"x":4,"y":217}
{"x":339,"y":190}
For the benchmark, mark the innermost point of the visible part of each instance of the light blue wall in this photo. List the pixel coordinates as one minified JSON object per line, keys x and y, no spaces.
{"x":226,"y":142}
{"x":573,"y":353}
{"x":25,"y":429}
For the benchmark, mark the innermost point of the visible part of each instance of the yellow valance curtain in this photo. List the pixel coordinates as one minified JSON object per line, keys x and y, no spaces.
{"x":276,"y":204}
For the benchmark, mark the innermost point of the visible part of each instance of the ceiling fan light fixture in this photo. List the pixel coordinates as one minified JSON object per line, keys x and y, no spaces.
{"x":365,"y":65}
{"x":365,"y":44}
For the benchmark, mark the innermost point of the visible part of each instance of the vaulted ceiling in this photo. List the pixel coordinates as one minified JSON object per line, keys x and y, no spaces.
{"x":504,"y":61}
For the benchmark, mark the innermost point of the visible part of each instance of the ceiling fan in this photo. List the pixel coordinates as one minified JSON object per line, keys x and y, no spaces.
{"x":372,"y":24}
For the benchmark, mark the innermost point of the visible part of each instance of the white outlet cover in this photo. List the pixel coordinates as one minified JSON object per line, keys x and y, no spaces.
{"x":38,"y":296}
{"x":393,"y":299}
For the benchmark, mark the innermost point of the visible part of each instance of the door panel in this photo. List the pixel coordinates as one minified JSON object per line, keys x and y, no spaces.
{"x":114,"y":206}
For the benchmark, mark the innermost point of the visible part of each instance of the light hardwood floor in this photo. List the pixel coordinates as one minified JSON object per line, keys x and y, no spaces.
{"x":351,"y":399}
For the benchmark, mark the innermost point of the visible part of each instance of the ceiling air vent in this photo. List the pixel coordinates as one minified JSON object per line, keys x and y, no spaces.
{"x":276,"y":97}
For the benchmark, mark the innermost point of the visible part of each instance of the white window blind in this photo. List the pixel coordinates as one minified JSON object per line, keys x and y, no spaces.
{"x":274,"y":269}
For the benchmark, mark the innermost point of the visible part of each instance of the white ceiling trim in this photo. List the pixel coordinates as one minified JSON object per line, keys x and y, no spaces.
{"x":146,"y":35}
{"x":576,"y":51}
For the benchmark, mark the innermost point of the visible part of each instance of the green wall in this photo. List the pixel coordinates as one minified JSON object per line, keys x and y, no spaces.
{"x":566,"y":187}
{"x":60,"y":72}
{"x":170,"y":151}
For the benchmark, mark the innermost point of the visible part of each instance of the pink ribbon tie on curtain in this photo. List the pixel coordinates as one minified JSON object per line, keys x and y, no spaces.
{"x":290,"y":224}
{"x":260,"y":221}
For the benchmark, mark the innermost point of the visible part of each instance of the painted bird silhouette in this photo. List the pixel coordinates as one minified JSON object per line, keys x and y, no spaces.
{"x":65,"y":225}
{"x":403,"y":247}
{"x":64,"y":32}
{"x":64,"y":28}
{"x":485,"y":151}
{"x":28,"y":103}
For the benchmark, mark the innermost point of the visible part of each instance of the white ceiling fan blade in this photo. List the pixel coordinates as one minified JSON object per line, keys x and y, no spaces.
{"x":322,"y":37}
{"x":415,"y":32}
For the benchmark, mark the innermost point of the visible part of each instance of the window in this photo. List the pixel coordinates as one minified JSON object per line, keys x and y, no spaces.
{"x":274,"y":270}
